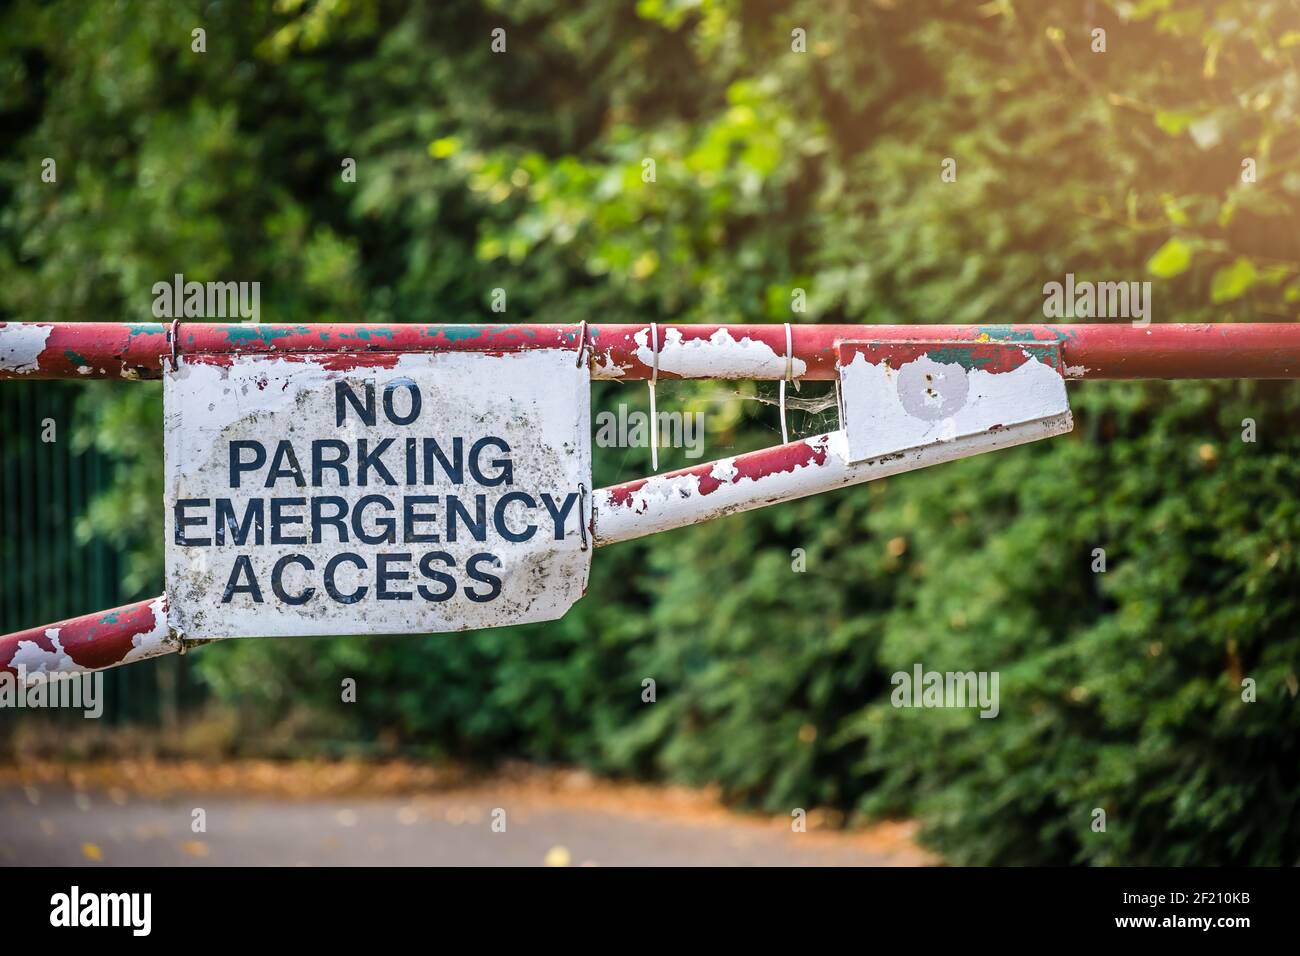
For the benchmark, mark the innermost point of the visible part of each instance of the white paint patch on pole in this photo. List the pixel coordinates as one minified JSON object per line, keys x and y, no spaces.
{"x":22,"y":345}
{"x":425,"y":492}
{"x":898,"y":396}
{"x":720,"y":356}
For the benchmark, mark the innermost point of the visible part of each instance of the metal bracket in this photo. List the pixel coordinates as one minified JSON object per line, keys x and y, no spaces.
{"x":901,"y":395}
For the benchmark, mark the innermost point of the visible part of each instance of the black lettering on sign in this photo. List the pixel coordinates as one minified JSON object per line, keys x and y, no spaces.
{"x":455,"y":466}
{"x":277,"y":582}
{"x":254,"y":519}
{"x":390,"y":389}
{"x":319,"y":462}
{"x":446,"y":580}
{"x":332,"y":590}
{"x":279,"y":520}
{"x":237,"y":464}
{"x":410,"y":517}
{"x":387,"y":526}
{"x":371,"y":459}
{"x":245,"y":565}
{"x":499,"y":516}
{"x":453,"y":469}
{"x":505,"y":472}
{"x":493,"y":582}
{"x":284,"y":450}
{"x":383,"y":575}
{"x":560,"y":514}
{"x":181,"y":521}
{"x":335,"y":521}
{"x":477,"y":524}
{"x":343,"y":393}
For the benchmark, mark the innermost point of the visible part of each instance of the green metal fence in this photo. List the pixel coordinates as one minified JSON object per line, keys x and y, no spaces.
{"x":46,"y":573}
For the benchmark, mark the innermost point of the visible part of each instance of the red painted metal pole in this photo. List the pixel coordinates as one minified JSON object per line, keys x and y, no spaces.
{"x":92,"y":642}
{"x":1107,"y":351}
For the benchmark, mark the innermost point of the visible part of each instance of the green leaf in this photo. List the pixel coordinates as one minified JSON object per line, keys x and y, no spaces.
{"x":442,"y":148}
{"x":1234,"y":281}
{"x":1174,"y":122}
{"x":1171,"y":259}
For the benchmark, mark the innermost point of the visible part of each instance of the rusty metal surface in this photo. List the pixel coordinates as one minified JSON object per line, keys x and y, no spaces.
{"x":1093,"y":351}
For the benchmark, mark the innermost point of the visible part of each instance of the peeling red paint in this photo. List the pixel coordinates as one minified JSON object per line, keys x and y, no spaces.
{"x":993,"y":357}
{"x":92,"y":641}
{"x":38,"y":637}
{"x":1116,"y":351}
{"x":343,"y":361}
{"x":779,"y":459}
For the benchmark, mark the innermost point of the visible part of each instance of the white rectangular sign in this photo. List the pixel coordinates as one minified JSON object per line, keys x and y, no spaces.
{"x":375,"y":494}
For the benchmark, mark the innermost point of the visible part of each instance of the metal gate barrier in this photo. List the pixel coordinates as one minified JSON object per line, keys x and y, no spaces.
{"x":909,"y":396}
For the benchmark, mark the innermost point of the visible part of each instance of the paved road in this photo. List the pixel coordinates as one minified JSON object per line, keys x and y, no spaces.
{"x":57,"y":826}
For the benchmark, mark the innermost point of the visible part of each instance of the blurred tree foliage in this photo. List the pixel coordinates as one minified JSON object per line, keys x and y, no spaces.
{"x":775,"y":170}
